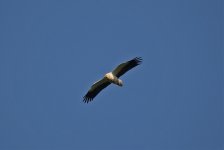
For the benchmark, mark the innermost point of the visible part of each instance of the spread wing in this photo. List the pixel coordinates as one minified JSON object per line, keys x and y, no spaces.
{"x":95,"y":89}
{"x":124,"y":67}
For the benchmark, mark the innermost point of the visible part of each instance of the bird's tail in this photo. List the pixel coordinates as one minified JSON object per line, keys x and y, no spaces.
{"x":120,"y":83}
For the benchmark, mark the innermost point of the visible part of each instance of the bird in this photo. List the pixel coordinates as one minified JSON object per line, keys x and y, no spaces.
{"x":111,"y":77}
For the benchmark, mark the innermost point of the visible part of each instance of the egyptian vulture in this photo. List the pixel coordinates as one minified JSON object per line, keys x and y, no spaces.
{"x":111,"y":77}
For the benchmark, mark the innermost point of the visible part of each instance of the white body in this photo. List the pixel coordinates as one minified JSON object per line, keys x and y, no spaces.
{"x":113,"y":79}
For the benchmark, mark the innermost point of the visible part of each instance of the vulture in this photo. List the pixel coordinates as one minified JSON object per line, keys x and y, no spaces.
{"x":111,"y":77}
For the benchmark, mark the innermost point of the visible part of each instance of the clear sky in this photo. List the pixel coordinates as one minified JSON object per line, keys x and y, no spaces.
{"x":52,"y":51}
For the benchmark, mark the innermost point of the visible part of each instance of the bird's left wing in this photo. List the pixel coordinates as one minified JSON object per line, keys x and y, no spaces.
{"x":124,"y":67}
{"x":95,"y":89}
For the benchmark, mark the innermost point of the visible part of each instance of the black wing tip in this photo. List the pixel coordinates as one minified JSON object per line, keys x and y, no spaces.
{"x":138,"y":60}
{"x":87,"y":99}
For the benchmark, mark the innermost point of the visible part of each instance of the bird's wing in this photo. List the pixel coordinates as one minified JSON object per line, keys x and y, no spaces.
{"x":124,"y":67}
{"x":95,"y":89}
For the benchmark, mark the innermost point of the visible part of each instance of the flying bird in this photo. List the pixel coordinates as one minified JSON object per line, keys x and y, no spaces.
{"x":111,"y":77}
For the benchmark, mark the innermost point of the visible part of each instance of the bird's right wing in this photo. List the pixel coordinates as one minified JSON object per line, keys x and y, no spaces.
{"x":95,"y":89}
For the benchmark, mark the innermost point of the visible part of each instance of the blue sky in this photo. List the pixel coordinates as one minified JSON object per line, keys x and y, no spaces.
{"x":52,"y":51}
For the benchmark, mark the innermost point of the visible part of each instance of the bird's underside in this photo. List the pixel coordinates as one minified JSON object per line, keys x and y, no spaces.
{"x":111,"y":77}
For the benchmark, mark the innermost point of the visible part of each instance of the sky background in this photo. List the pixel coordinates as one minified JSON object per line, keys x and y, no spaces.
{"x":52,"y":51}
